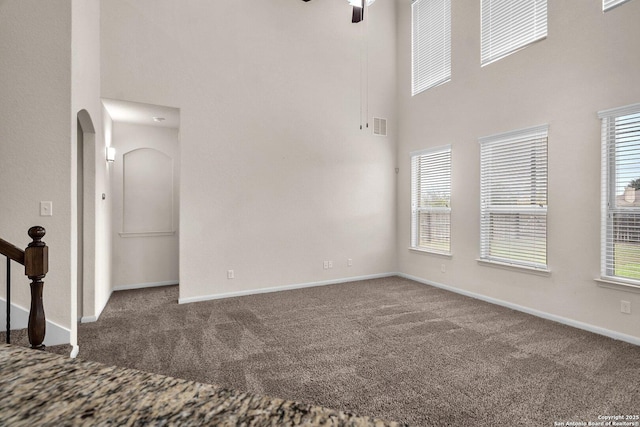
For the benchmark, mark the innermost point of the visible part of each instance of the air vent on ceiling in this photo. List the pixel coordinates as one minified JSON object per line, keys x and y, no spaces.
{"x":379,"y":126}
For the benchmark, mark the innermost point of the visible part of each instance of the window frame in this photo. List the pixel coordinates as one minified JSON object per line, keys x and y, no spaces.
{"x":517,"y":40}
{"x":608,"y":5}
{"x":427,"y":50}
{"x":609,"y":208}
{"x":416,"y":210}
{"x":507,"y":141}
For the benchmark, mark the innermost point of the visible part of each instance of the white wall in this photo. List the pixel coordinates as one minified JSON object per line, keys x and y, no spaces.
{"x":35,"y":148}
{"x":589,"y":62}
{"x":145,"y":257}
{"x":104,"y":279}
{"x":85,"y":95}
{"x":276,"y":175}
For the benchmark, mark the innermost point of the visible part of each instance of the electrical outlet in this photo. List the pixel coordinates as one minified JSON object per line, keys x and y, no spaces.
{"x":230,"y":274}
{"x":625,"y":307}
{"x":349,"y":262}
{"x":443,"y":268}
{"x":330,"y":264}
{"x":325,"y":265}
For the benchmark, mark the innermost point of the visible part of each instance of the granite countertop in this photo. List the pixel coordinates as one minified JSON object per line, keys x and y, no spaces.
{"x":44,"y":389}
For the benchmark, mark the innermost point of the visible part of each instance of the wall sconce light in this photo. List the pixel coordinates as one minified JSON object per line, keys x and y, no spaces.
{"x":111,"y":154}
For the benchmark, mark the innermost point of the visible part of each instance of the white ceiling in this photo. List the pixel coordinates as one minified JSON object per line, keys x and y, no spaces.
{"x":142,"y":114}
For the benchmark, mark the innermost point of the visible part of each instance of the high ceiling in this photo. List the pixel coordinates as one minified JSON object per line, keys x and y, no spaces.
{"x":142,"y":114}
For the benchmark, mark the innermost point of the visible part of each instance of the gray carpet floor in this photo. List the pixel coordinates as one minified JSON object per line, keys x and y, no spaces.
{"x":390,"y":348}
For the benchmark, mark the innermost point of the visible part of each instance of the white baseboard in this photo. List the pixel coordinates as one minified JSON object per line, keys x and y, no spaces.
{"x":19,"y":316}
{"x":281,"y":288}
{"x":54,"y":335}
{"x":104,"y":304}
{"x":565,"y":321}
{"x":144,"y":285}
{"x":91,"y":319}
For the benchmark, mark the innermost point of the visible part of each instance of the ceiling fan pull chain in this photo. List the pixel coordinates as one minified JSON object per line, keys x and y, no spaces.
{"x":365,"y":5}
{"x":361,"y":69}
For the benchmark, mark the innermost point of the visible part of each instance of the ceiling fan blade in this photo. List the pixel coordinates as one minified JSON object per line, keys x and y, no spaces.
{"x":357,"y":15}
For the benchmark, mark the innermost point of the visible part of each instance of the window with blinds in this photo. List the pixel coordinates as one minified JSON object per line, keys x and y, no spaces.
{"x":510,"y":25}
{"x":431,"y":200}
{"x":610,"y":4}
{"x":513,"y":193}
{"x":430,"y":44}
{"x":620,"y":232}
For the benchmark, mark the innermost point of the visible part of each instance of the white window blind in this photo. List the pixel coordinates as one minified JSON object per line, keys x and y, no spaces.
{"x":509,"y":25}
{"x":513,"y":192}
{"x":610,"y":4}
{"x":431,"y":200}
{"x":431,"y":44}
{"x":620,"y":232}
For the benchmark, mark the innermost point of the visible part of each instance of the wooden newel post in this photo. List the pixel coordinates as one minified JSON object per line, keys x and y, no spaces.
{"x":36,"y":265}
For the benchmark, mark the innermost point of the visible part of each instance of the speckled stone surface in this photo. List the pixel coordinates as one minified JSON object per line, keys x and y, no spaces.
{"x":43,"y":389}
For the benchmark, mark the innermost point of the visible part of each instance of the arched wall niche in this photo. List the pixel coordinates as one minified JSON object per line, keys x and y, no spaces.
{"x":148,"y":192}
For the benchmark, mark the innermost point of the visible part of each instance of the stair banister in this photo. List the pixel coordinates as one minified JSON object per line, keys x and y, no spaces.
{"x":35,"y":259}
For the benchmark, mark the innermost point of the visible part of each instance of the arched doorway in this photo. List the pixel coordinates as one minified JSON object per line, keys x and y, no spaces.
{"x":145,"y":173}
{"x":83,"y":296}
